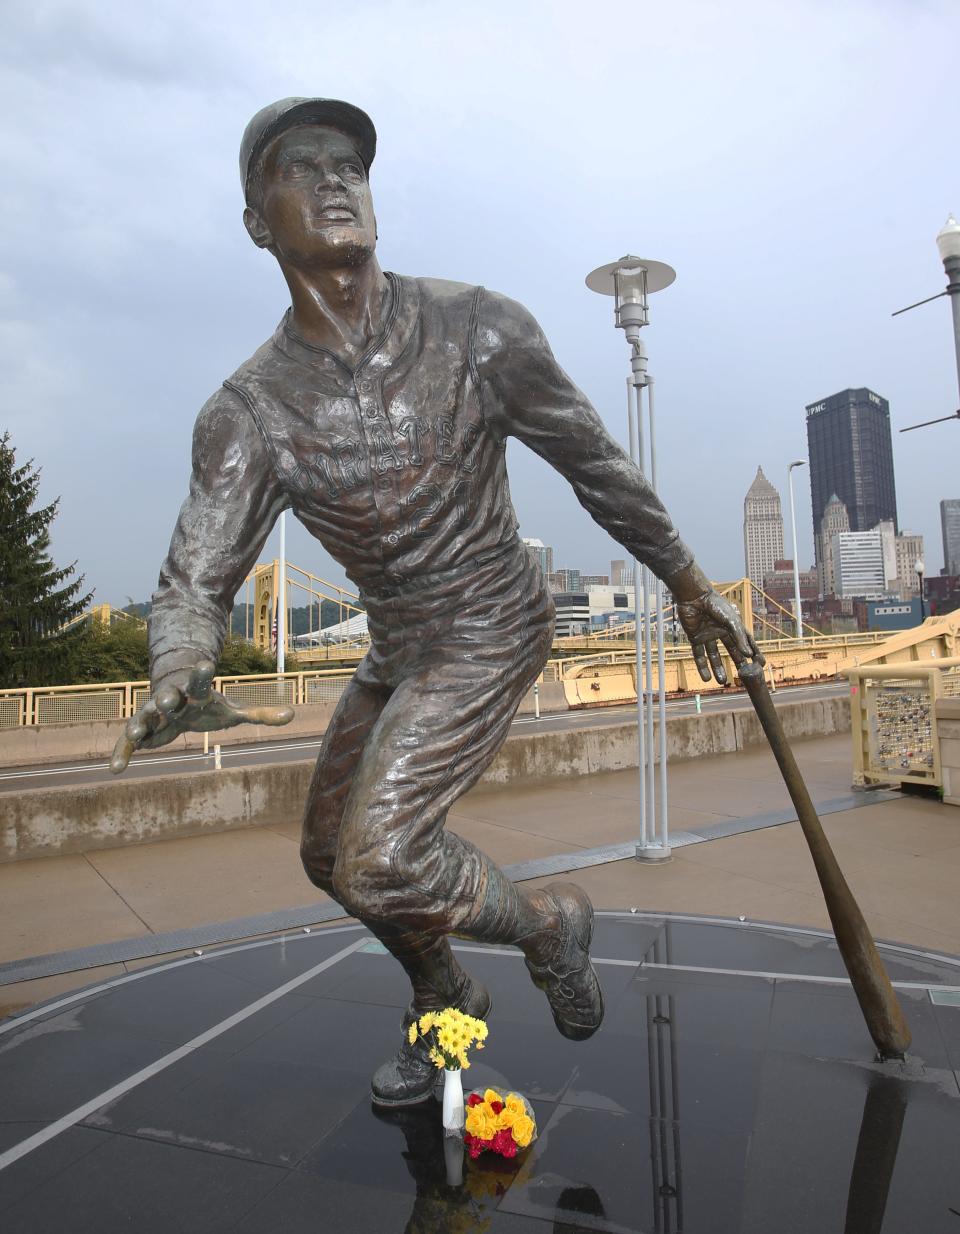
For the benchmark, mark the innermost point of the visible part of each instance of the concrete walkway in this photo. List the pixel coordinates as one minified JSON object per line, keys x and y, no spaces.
{"x":901,"y":857}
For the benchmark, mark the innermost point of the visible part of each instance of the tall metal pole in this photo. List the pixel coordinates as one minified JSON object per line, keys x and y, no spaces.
{"x":797,"y":615}
{"x":630,"y":281}
{"x":952,"y":267}
{"x":640,"y":382}
{"x":282,"y":597}
{"x":661,"y":660}
{"x":637,"y":584}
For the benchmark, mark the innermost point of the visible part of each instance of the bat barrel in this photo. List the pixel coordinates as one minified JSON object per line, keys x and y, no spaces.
{"x":871,"y":984}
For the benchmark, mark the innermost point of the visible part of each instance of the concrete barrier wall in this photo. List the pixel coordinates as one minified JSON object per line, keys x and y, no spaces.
{"x":948,"y":734}
{"x":28,"y":747}
{"x":54,"y":821}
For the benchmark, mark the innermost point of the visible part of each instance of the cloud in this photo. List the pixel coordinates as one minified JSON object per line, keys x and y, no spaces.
{"x":787,"y":160}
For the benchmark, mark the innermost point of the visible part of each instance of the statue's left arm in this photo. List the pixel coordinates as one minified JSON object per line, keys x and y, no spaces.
{"x":526,"y":394}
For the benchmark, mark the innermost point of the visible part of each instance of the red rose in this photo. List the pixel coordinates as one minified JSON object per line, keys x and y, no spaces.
{"x":496,"y":1106}
{"x":474,"y":1099}
{"x":474,"y":1147}
{"x":504,"y":1143}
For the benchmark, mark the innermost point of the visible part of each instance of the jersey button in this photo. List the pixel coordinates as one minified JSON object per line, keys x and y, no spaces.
{"x":392,"y":538}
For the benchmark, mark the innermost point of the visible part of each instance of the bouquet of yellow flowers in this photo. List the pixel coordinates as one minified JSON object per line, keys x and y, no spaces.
{"x":449,"y":1034}
{"x":498,"y":1122}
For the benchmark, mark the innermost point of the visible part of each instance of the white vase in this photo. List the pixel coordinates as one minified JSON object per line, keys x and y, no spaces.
{"x":452,"y":1102}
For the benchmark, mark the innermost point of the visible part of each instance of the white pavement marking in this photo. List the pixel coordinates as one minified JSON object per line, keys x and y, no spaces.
{"x":118,"y":1090}
{"x":749,"y":972}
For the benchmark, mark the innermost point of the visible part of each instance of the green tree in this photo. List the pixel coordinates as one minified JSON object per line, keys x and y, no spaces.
{"x":239,"y":657}
{"x":115,"y":654}
{"x":36,"y":598}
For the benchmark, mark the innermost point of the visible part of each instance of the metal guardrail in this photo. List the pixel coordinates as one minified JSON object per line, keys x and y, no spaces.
{"x":894,"y":723}
{"x":49,"y":706}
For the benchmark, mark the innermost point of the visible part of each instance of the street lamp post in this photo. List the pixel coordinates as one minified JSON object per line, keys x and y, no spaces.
{"x":282,"y":601}
{"x":948,"y":242}
{"x":630,"y":281}
{"x":797,"y":617}
{"x":918,"y":566}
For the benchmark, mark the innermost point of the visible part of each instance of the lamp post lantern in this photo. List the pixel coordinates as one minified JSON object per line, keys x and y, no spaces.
{"x":948,"y":244}
{"x":918,"y":566}
{"x":630,"y":281}
{"x":797,"y":616}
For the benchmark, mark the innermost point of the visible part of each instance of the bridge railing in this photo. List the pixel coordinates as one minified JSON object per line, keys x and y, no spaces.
{"x":85,"y":704}
{"x":48,"y":706}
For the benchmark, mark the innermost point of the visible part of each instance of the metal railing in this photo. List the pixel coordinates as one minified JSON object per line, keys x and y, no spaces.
{"x":48,"y":706}
{"x":57,"y":705}
{"x":894,"y":723}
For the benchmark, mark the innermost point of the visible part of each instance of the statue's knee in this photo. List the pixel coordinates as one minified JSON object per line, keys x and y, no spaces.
{"x":362,"y":885}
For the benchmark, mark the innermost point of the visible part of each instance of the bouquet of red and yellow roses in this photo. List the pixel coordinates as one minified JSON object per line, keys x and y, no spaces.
{"x":498,"y":1122}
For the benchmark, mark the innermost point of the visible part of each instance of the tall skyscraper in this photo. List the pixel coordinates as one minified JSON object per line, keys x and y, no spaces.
{"x":618,"y":573}
{"x":762,"y":529}
{"x":950,"y":524}
{"x":851,"y":457}
{"x":835,"y":520}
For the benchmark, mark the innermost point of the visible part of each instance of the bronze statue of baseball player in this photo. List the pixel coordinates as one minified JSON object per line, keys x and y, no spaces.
{"x":379,"y":413}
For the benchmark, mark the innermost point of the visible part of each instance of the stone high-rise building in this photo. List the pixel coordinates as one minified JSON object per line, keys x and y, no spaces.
{"x":950,"y":525}
{"x":762,"y":529}
{"x":835,"y":520}
{"x":909,"y":550}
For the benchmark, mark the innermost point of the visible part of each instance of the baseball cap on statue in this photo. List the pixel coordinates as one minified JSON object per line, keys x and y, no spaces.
{"x":286,"y":113}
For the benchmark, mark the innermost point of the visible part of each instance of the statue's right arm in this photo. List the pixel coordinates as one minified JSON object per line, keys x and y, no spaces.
{"x":233,"y":502}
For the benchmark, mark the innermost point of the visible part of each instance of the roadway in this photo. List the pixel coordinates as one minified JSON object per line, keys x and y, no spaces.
{"x":159,"y":762}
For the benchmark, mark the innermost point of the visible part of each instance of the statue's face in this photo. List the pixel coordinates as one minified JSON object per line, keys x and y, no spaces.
{"x":315,"y":204}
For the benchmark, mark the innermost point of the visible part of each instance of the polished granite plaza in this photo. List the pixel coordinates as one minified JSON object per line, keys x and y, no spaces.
{"x":731,"y":1088}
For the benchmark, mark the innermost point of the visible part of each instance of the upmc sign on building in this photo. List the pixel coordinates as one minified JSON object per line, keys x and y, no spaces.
{"x":851,"y":455}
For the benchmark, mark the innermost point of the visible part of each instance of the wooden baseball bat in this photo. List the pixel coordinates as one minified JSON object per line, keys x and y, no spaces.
{"x":879,"y":1004}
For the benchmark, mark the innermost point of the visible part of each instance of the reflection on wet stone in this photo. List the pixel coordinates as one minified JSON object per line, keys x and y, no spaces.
{"x":876,"y":1157}
{"x":698,"y":1108}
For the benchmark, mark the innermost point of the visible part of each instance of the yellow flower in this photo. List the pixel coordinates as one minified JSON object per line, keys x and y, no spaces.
{"x":515,"y":1103}
{"x":476,"y":1121}
{"x":412,"y":1033}
{"x":523,"y":1129}
{"x":436,"y":1058}
{"x":491,"y":1095}
{"x":427,"y":1021}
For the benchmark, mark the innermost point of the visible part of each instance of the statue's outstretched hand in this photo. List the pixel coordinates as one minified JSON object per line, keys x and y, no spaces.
{"x":185,"y":702}
{"x":710,"y":617}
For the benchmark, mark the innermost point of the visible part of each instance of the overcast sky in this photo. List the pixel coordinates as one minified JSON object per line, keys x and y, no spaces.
{"x":793,"y":162}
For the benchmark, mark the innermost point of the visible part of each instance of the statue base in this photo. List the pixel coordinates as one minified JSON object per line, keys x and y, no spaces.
{"x":732,"y":1087}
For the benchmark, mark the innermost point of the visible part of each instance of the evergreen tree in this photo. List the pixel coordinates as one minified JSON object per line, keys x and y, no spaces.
{"x":36,"y":598}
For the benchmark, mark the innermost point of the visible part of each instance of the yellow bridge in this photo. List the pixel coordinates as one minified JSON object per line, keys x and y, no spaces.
{"x":604,"y":661}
